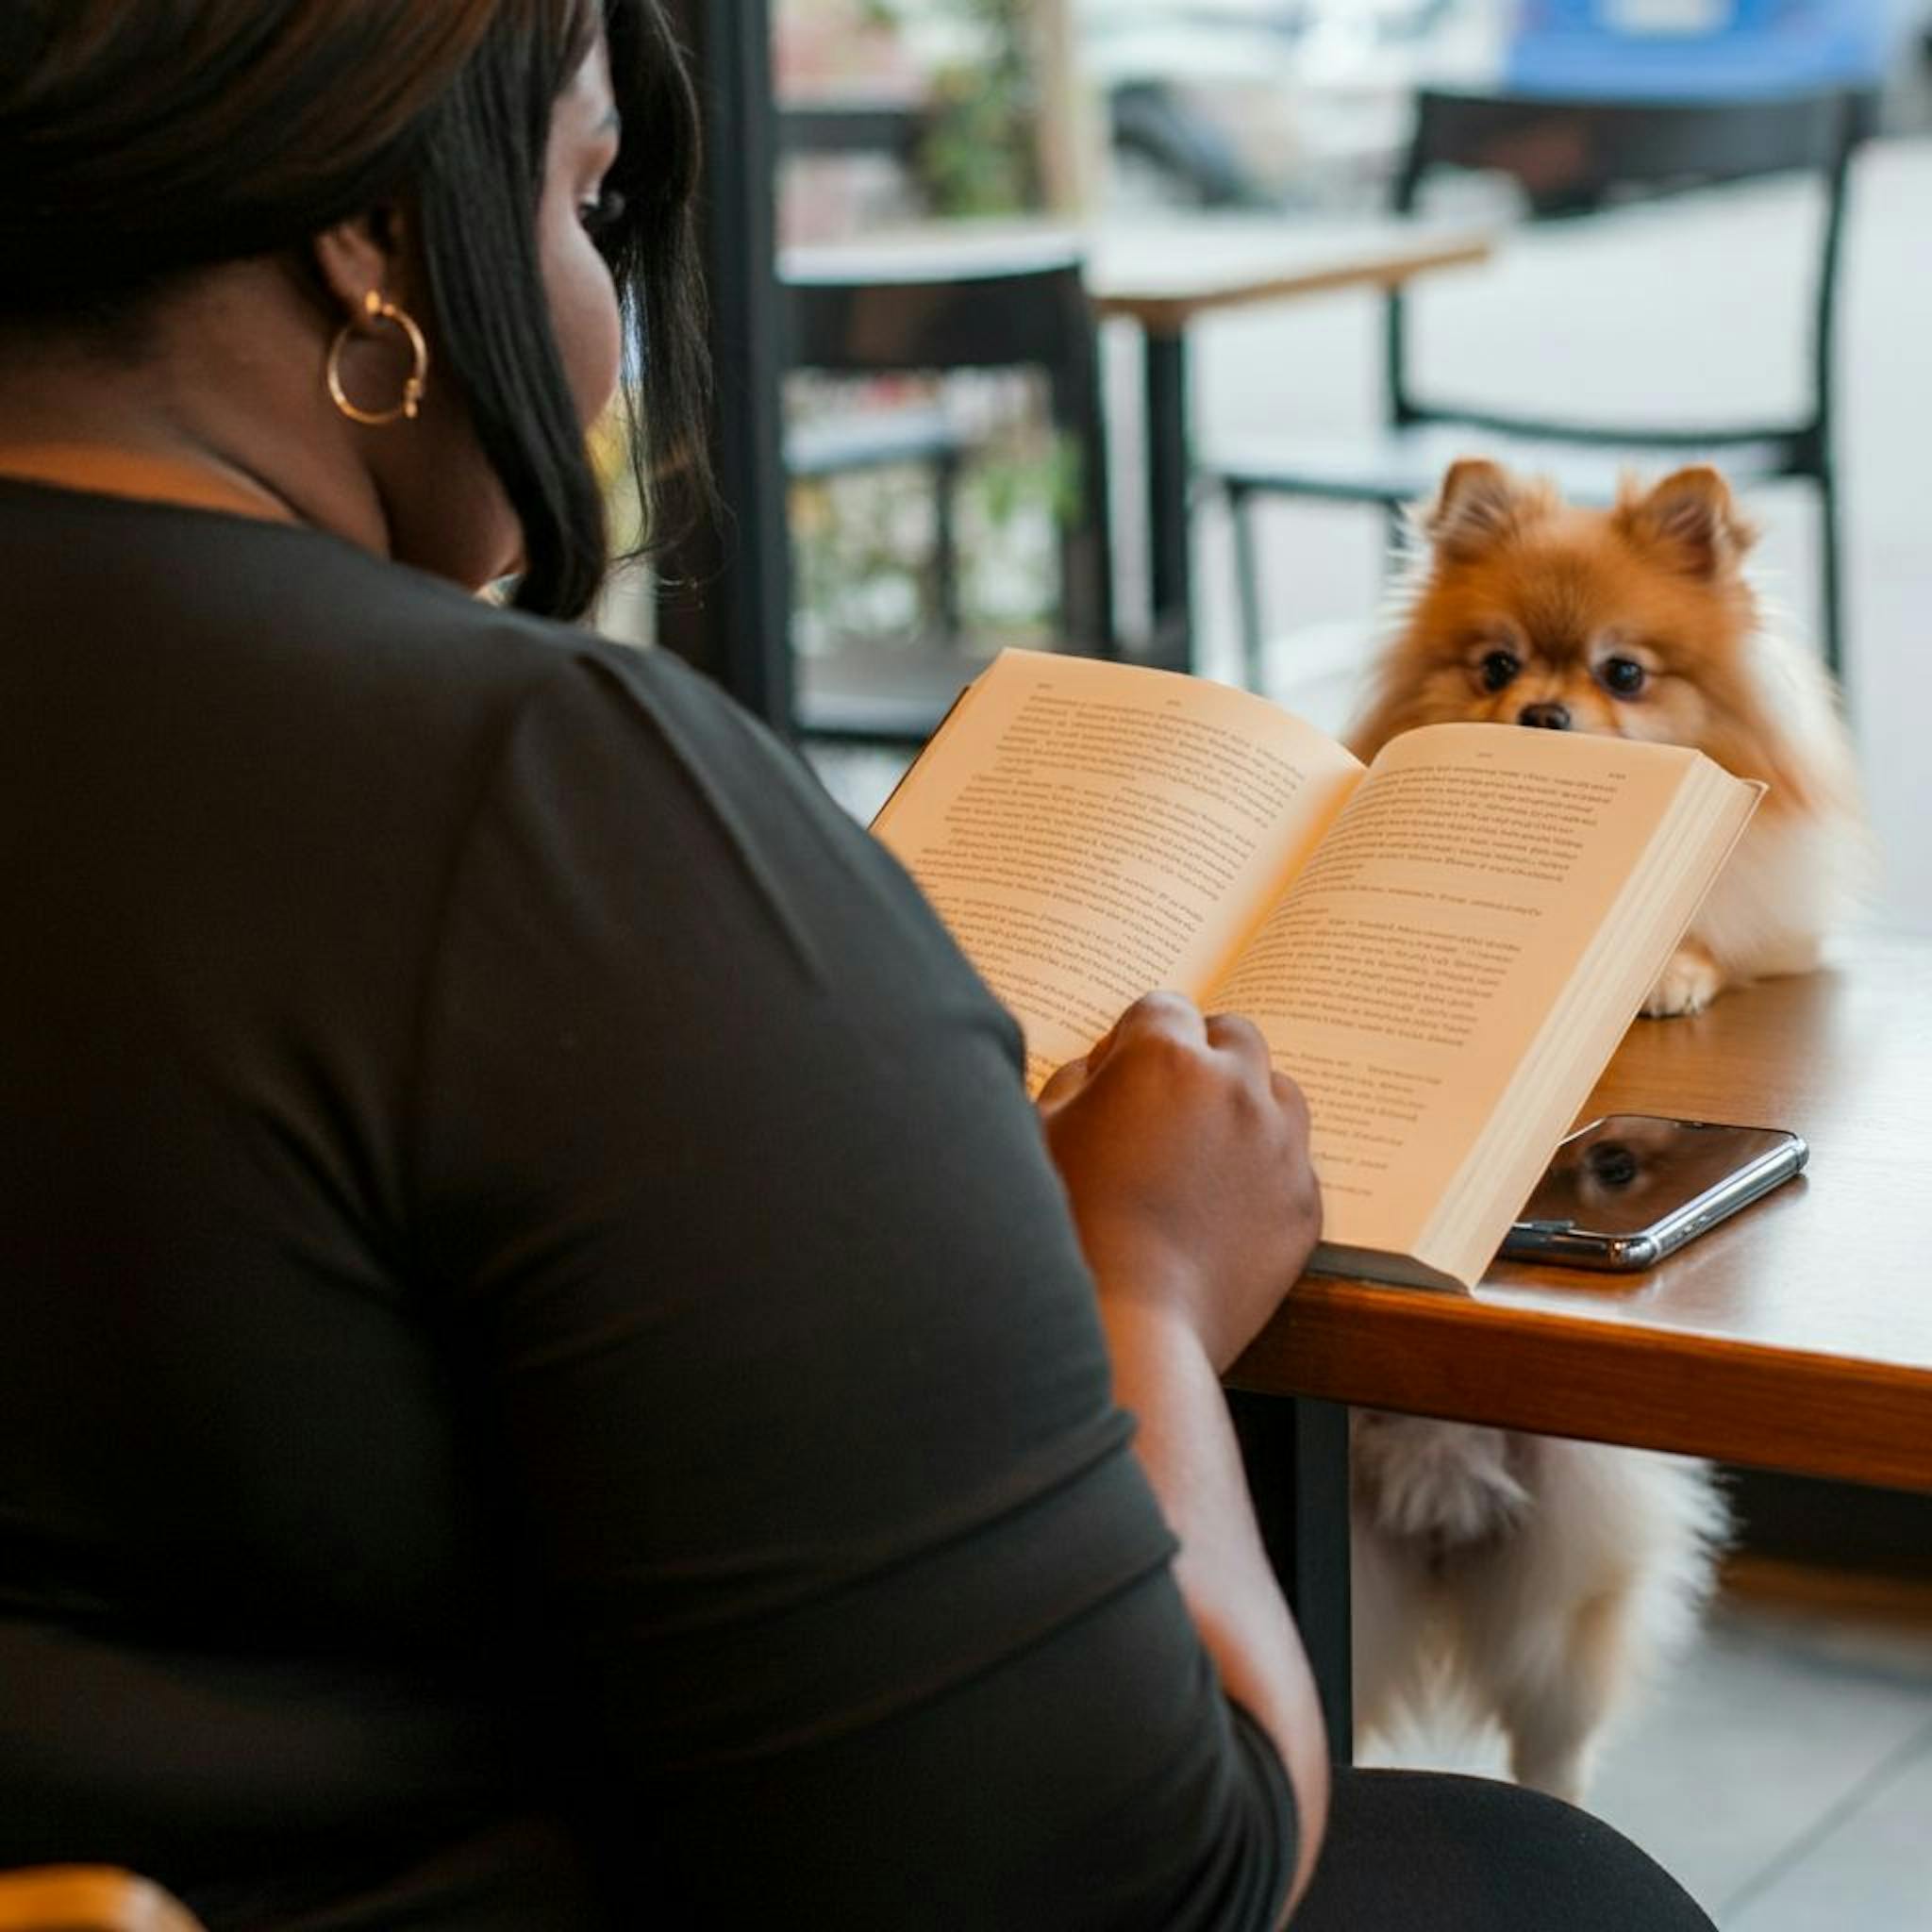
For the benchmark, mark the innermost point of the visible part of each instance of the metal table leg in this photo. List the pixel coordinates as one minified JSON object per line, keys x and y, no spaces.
{"x":1296,"y":1454}
{"x":1167,"y":531}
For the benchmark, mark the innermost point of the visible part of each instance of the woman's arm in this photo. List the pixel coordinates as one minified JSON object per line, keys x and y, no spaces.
{"x":1186,"y":1165}
{"x":774,"y":1324}
{"x":1185,"y":1444}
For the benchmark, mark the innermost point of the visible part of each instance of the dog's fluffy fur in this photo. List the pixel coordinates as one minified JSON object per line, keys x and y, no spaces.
{"x":1568,"y":596}
{"x":1526,"y":1580}
{"x":1534,"y":1581}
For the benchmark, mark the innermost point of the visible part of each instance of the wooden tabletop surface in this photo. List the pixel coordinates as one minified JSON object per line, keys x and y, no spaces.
{"x":1159,"y":271}
{"x":1796,"y":1335}
{"x":1165,"y":274}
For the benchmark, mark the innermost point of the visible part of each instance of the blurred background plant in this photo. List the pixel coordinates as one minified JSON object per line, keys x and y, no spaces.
{"x":867,"y":549}
{"x":866,"y":553}
{"x":979,"y":154}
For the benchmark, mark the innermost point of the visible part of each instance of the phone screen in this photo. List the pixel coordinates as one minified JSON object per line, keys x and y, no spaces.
{"x":1623,"y":1174}
{"x":1624,"y":1191}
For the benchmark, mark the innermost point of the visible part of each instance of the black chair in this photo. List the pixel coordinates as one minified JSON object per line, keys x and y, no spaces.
{"x":987,"y":305}
{"x":996,"y":305}
{"x":924,"y":437}
{"x":1574,"y":157}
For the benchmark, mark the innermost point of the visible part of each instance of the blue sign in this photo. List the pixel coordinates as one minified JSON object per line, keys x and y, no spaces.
{"x":1676,"y":49}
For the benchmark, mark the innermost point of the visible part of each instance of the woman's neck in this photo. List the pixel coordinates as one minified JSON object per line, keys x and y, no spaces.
{"x":210,"y":413}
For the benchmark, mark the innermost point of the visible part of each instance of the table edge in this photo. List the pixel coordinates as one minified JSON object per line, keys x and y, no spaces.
{"x":1426,"y":1353}
{"x":1170,"y":314}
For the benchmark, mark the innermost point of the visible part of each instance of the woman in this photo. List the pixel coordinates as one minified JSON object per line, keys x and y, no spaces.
{"x":550,"y":1381}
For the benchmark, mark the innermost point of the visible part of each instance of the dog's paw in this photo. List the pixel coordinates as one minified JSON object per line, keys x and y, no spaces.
{"x":1440,"y":1484}
{"x":1688,"y":985}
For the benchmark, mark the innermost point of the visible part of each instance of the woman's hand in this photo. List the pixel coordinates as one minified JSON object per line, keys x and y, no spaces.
{"x":1185,"y":1159}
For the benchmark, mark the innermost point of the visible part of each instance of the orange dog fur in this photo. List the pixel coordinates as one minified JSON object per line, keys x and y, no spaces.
{"x":1638,"y":622}
{"x":1526,"y":1580}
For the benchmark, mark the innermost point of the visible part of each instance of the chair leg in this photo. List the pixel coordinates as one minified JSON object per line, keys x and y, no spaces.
{"x":1247,"y":566}
{"x":1831,"y":581}
{"x":945,"y":546}
{"x":1396,"y":517}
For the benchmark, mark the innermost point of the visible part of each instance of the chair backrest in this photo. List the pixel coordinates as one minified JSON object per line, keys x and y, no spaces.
{"x":893,"y":129}
{"x":980,"y":304}
{"x":990,"y":306}
{"x":1573,"y":155}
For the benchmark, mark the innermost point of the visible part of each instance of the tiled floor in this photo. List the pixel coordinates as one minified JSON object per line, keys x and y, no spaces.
{"x":1784,"y":1772}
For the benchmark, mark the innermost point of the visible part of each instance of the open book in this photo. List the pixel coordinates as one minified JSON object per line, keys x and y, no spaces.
{"x":1442,"y":949}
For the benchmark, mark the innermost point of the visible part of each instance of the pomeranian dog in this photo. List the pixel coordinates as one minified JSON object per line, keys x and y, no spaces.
{"x":1527,"y":1580}
{"x":1638,"y":622}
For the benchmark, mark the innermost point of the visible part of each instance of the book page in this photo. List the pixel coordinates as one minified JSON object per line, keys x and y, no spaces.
{"x":1404,"y":976}
{"x":1092,"y":831}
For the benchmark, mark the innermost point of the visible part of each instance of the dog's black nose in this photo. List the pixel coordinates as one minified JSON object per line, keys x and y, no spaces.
{"x":1549,"y":717}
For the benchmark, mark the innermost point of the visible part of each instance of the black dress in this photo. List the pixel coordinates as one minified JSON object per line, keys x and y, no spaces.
{"x":545,"y":1378}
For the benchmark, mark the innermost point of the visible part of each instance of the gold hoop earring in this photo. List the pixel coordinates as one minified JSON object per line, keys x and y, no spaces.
{"x":375,"y":310}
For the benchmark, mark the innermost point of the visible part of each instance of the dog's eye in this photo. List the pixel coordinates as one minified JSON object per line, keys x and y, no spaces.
{"x":1623,"y":676}
{"x":1612,"y":1164}
{"x":1498,"y":668}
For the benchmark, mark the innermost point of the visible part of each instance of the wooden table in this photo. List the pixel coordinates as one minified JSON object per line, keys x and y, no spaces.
{"x":1166,"y":277}
{"x":1797,"y":1336}
{"x":1163,"y":276}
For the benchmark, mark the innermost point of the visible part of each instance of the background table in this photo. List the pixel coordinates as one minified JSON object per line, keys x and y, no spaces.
{"x":1166,"y":277}
{"x":1797,"y":1336}
{"x":1163,"y":276}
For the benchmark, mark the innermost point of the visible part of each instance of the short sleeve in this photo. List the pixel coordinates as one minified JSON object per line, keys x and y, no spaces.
{"x":821,"y":1543}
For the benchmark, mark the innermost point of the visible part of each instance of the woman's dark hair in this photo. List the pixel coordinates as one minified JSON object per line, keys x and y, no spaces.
{"x":141,"y":140}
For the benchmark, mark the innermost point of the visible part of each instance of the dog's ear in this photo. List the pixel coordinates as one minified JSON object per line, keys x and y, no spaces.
{"x":1478,"y":505}
{"x":1690,"y":516}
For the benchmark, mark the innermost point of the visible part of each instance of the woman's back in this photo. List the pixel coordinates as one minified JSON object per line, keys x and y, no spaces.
{"x":451,"y":1436}
{"x":552,"y":1375}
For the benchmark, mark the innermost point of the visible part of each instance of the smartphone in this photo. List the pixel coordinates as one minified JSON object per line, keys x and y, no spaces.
{"x":1627,"y":1190}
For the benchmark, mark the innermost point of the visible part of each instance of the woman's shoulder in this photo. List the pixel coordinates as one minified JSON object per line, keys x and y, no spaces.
{"x":332,"y":696}
{"x":282,"y":626}
{"x":629,"y":759}
{"x":437,"y":649}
